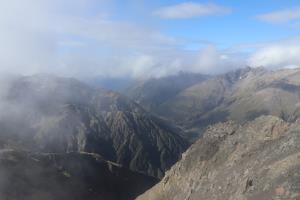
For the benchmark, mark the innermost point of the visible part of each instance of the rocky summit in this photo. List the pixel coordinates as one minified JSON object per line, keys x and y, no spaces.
{"x":257,"y":160}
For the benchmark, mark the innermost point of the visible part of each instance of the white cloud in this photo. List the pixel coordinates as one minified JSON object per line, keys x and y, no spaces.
{"x":280,"y":54}
{"x":190,"y":10}
{"x":276,"y":56}
{"x":32,"y":31}
{"x":281,"y":16}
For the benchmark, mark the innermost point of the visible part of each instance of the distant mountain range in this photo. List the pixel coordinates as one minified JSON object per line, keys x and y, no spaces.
{"x":240,"y":95}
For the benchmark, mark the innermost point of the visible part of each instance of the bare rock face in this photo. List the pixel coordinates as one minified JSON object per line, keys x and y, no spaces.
{"x":257,"y":160}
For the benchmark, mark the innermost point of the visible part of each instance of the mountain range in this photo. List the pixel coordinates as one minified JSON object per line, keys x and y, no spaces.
{"x":47,"y":121}
{"x":64,"y":139}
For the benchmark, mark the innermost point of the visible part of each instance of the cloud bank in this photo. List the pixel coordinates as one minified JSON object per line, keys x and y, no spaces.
{"x":67,"y":38}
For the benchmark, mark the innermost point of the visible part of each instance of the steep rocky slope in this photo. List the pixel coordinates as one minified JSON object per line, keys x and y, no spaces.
{"x":74,"y":176}
{"x":259,"y":160}
{"x":44,"y":113}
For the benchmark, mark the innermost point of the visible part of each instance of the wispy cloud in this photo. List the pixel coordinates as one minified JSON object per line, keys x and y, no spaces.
{"x":290,"y":15}
{"x":190,"y":10}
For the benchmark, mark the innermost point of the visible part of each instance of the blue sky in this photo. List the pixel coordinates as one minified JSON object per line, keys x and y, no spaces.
{"x":139,"y":38}
{"x":241,"y":26}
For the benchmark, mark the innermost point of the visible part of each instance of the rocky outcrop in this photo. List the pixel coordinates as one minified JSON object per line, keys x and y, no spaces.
{"x":257,"y":160}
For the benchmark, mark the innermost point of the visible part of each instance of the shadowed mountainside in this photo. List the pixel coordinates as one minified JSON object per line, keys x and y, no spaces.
{"x":74,"y":176}
{"x":49,"y":114}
